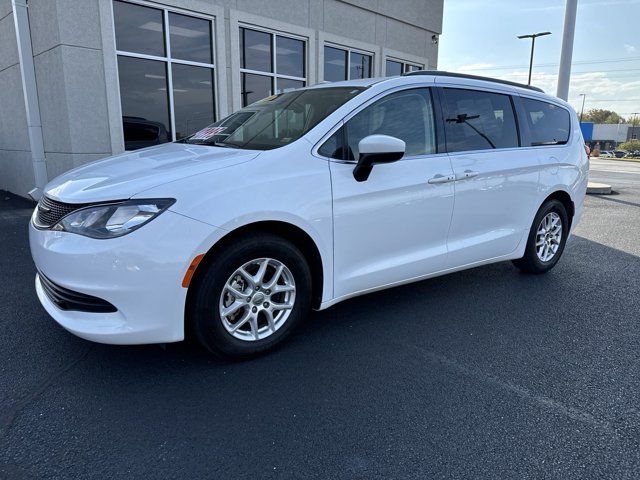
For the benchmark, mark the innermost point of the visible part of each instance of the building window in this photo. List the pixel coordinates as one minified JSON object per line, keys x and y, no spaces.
{"x":346,"y":64}
{"x":270,"y":63}
{"x":166,"y":73}
{"x":396,"y":67}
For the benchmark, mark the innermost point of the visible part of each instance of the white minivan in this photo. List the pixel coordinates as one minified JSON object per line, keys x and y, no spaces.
{"x":305,"y":199}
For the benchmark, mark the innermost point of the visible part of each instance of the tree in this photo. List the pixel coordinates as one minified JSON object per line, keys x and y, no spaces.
{"x":599,"y":115}
{"x":630,"y":146}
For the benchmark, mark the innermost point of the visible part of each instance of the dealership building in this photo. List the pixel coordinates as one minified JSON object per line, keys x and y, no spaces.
{"x":85,"y":79}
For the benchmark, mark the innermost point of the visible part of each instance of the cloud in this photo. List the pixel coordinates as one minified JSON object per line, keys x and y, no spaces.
{"x":584,"y":4}
{"x":629,"y":48}
{"x":475,"y":66}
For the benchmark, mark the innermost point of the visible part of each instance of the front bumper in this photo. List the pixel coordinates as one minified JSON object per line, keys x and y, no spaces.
{"x":140,"y":274}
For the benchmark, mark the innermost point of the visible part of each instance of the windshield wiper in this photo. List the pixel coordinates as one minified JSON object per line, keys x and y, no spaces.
{"x":464,"y":118}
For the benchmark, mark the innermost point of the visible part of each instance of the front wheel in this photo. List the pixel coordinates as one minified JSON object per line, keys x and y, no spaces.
{"x":251,"y":296}
{"x":546,"y":240}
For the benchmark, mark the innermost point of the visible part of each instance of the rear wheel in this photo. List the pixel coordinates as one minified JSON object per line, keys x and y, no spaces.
{"x":251,"y":297}
{"x":546,"y":240}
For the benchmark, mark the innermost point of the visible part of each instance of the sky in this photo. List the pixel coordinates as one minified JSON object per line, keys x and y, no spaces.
{"x":479,"y":37}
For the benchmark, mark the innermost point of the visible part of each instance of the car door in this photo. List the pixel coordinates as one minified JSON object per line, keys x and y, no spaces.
{"x":496,"y":180}
{"x":393,"y":226}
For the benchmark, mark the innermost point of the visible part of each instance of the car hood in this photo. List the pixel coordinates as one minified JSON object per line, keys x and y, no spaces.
{"x":123,"y":176}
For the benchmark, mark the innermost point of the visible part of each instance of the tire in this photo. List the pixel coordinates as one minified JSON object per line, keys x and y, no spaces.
{"x":532,"y":261}
{"x":213,"y":294}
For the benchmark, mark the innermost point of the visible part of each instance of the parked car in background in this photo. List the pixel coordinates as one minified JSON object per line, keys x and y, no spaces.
{"x":619,"y":153}
{"x":317,"y":195}
{"x":606,"y":154}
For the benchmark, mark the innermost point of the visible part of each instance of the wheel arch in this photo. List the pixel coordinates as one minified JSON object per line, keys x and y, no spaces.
{"x":288,"y":231}
{"x":563,"y":197}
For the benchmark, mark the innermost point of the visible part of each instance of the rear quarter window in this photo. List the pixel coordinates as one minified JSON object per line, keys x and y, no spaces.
{"x":549,"y":124}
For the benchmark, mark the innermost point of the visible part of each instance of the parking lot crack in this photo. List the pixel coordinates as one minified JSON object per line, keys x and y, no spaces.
{"x":522,"y":392}
{"x":11,"y":413}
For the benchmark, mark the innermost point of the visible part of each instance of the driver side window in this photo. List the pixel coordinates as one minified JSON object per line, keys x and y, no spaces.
{"x":407,"y":115}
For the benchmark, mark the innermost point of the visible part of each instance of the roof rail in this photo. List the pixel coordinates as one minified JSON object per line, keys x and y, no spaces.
{"x":441,"y":73}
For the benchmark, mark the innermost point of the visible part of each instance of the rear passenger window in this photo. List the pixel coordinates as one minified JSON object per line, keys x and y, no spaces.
{"x":549,"y":124}
{"x":478,"y":120}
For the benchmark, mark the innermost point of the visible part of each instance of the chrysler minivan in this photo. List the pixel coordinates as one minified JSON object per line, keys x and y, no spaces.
{"x":305,"y":199}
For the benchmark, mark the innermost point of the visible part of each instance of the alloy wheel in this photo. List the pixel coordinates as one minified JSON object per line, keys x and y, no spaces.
{"x":549,"y":236}
{"x":257,"y":299}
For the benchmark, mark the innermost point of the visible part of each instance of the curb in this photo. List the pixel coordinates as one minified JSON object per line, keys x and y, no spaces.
{"x":598,"y":189}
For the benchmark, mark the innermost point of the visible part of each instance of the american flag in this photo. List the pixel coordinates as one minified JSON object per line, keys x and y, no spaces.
{"x":208,"y":132}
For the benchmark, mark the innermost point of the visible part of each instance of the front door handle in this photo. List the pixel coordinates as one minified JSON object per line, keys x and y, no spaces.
{"x":441,"y":179}
{"x":467,"y":174}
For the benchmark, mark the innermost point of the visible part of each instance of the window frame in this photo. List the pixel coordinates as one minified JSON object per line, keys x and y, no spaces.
{"x":404,"y":63}
{"x":168,"y":60}
{"x":438,"y":124}
{"x":525,"y":130}
{"x":349,"y":50}
{"x":515,"y":107}
{"x":274,"y":62}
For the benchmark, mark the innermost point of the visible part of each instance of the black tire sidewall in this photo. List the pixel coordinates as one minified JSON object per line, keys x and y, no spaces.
{"x":531,"y":257}
{"x":205,"y":317}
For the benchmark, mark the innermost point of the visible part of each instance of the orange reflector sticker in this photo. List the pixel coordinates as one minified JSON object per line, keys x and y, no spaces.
{"x":191,"y":270}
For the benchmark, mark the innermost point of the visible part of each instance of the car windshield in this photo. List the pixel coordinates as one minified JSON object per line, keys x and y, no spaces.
{"x":275,"y":121}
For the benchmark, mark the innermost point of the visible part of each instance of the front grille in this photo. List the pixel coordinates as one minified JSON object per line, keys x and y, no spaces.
{"x":66,"y":299}
{"x":51,"y":211}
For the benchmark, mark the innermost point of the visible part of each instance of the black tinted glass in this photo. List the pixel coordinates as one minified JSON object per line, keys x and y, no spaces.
{"x":145,"y":107}
{"x":332,"y":148}
{"x":255,"y":87}
{"x":407,"y":115}
{"x":393,"y":68}
{"x":190,"y":38}
{"x":139,"y":29}
{"x":286,"y":85}
{"x":255,"y":50}
{"x":360,"y":66}
{"x":192,"y":98}
{"x":335,"y":64}
{"x":290,"y":56}
{"x":548,"y":123}
{"x":478,"y":120}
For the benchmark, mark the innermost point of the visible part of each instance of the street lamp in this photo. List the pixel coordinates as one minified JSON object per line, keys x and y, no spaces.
{"x":533,"y":37}
{"x":584,"y":97}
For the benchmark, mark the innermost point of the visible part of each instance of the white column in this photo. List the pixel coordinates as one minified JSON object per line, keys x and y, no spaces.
{"x":564,"y":75}
{"x":30,"y":93}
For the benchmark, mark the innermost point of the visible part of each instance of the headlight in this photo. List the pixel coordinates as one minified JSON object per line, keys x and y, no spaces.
{"x":113,"y":220}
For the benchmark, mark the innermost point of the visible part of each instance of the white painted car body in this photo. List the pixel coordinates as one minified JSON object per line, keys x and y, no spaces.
{"x":394,"y":228}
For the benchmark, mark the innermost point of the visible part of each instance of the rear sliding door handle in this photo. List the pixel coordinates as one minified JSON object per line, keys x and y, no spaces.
{"x":467,"y":174}
{"x":441,"y":179}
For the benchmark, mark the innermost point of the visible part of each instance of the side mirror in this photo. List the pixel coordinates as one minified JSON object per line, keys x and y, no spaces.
{"x":376,"y":149}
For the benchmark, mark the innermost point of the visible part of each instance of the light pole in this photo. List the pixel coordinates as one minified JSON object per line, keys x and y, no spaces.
{"x":533,"y":37}
{"x":584,"y":97}
{"x":564,"y":72}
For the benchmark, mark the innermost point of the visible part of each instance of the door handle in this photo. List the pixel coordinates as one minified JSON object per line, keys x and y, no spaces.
{"x":467,"y":174}
{"x":441,"y":179}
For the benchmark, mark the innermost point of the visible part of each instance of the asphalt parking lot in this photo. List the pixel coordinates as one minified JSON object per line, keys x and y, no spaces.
{"x":487,"y":373}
